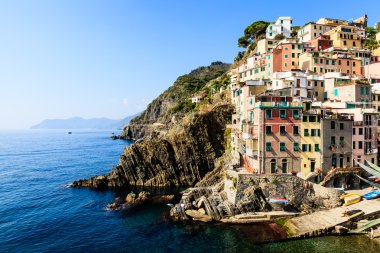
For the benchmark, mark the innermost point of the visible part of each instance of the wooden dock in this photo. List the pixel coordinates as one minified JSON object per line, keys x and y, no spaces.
{"x":322,"y":222}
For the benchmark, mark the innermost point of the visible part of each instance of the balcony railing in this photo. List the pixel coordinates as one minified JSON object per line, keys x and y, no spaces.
{"x":279,"y":105}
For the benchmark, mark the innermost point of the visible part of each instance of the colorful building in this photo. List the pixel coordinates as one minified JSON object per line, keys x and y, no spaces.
{"x":344,"y":36}
{"x":311,"y":146}
{"x":283,"y":26}
{"x":274,"y":143}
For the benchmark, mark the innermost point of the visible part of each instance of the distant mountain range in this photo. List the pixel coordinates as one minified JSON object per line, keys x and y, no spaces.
{"x":81,"y":123}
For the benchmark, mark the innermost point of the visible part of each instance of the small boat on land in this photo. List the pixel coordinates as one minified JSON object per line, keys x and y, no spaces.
{"x":279,"y":201}
{"x":353,"y":213}
{"x":372,"y":195}
{"x":351,"y":198}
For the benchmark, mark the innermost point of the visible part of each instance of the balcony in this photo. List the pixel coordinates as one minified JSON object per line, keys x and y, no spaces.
{"x":295,"y":105}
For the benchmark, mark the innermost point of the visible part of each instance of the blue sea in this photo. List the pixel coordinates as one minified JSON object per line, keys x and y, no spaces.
{"x":38,"y":214}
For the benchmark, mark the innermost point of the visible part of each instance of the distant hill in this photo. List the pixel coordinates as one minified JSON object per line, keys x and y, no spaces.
{"x":81,"y":123}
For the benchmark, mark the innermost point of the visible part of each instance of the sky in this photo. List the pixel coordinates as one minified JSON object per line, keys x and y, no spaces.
{"x":110,"y":58}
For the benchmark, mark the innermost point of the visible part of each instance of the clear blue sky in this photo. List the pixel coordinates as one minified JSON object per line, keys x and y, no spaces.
{"x":88,"y":58}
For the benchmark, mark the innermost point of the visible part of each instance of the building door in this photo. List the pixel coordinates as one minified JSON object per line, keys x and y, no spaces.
{"x":312,"y":166}
{"x":334,"y":160}
{"x":341,"y":161}
{"x":273,"y":166}
{"x":284,"y":166}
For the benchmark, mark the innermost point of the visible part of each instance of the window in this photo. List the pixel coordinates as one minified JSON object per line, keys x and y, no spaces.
{"x":296,"y":114}
{"x":304,"y":147}
{"x":327,"y":62}
{"x":293,"y":55}
{"x":345,"y":43}
{"x":361,"y":90}
{"x":315,"y":60}
{"x":332,"y":62}
{"x":348,"y":63}
{"x":293,"y":46}
{"x":360,"y":145}
{"x":339,"y":62}
{"x":332,"y":124}
{"x":321,"y":84}
{"x":332,"y":140}
{"x":296,"y":146}
{"x":321,"y":61}
{"x":354,"y":145}
{"x":341,"y":126}
{"x":299,"y":47}
{"x":316,"y":147}
{"x":268,"y":114}
{"x":268,"y":130}
{"x":367,"y":91}
{"x":268,"y":146}
{"x":282,"y":146}
{"x":306,"y":132}
{"x":286,"y":56}
{"x":353,"y":131}
{"x":341,"y":140}
{"x":319,"y":132}
{"x":282,"y":114}
{"x":313,"y":132}
{"x":295,"y":130}
{"x":282,"y":130}
{"x":360,"y":131}
{"x":353,"y":64}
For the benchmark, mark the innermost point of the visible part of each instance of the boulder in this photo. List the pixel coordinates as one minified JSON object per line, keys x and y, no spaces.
{"x":198,"y":216}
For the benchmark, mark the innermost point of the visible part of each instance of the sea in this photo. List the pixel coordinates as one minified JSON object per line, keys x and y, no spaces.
{"x":39,"y":214}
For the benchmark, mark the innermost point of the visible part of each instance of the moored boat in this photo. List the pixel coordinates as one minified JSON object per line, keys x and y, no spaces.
{"x":372,"y":195}
{"x":351,"y":198}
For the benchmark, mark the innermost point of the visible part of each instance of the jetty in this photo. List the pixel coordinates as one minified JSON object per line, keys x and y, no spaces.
{"x":323,"y":222}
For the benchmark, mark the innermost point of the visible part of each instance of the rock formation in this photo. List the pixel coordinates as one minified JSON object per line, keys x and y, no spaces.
{"x":176,"y":142}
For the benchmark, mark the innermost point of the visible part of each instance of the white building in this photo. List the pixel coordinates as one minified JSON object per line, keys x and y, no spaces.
{"x":296,"y":81}
{"x":283,"y":25}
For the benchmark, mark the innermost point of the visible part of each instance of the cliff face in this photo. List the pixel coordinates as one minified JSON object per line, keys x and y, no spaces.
{"x":174,"y":102}
{"x":180,"y":157}
{"x":177,"y":141}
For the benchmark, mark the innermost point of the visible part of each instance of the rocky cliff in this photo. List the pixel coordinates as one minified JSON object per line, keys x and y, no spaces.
{"x":174,"y":103}
{"x":177,"y":141}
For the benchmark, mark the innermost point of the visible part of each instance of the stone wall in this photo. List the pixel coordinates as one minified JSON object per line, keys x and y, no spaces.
{"x":300,"y":193}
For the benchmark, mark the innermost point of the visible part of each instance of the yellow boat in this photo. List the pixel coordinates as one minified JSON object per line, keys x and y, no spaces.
{"x":351,"y":198}
{"x":356,"y":215}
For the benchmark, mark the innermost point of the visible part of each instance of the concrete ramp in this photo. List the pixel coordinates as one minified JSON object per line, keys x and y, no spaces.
{"x":324,"y":221}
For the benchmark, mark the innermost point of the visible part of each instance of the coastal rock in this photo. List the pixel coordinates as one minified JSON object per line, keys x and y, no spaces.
{"x":198,"y":216}
{"x":162,"y":199}
{"x":139,"y":199}
{"x":182,"y":157}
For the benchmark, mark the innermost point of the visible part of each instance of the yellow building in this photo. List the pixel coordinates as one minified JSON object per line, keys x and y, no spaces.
{"x":311,"y":143}
{"x":332,"y":21}
{"x":330,"y":61}
{"x":265,"y":45}
{"x":377,"y":51}
{"x":344,"y":36}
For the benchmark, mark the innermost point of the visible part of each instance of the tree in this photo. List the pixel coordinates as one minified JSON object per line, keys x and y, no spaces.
{"x":279,"y":36}
{"x":239,"y":56}
{"x":252,"y":32}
